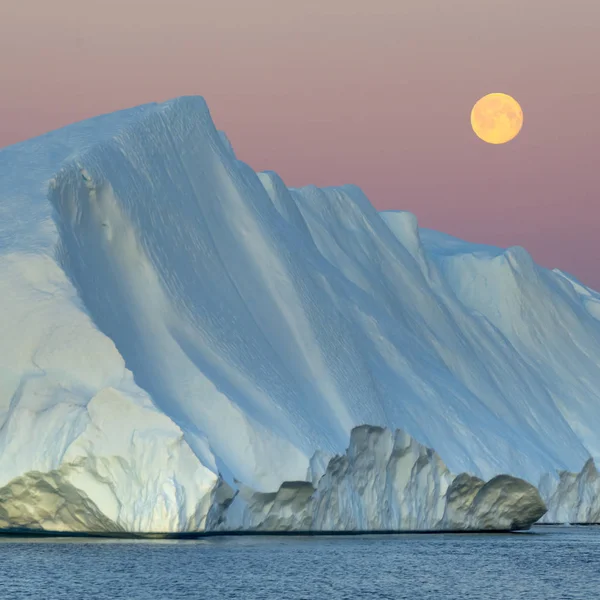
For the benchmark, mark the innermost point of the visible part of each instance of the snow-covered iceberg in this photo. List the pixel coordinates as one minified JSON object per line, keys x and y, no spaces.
{"x":170,"y":318}
{"x":386,"y":481}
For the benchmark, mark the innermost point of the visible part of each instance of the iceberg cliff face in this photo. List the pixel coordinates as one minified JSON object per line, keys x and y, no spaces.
{"x":386,"y":481}
{"x":234,"y":327}
{"x":574,"y":497}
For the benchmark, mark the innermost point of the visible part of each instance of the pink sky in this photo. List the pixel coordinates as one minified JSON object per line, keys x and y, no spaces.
{"x":376,"y":93}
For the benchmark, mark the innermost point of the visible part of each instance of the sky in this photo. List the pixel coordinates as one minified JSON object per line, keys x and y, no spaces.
{"x":377,"y":93}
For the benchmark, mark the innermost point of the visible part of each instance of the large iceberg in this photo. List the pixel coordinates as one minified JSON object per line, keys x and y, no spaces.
{"x":173,"y":321}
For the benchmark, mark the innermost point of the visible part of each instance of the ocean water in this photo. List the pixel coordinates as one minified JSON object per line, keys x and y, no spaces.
{"x":544,"y":564}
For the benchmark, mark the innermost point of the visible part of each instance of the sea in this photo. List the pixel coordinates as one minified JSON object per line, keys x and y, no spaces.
{"x":545,"y":563}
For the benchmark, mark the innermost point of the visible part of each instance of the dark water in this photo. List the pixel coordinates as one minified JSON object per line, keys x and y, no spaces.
{"x":548,"y":563}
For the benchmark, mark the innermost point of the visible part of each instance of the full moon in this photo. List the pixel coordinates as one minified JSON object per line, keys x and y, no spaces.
{"x":496,"y":118}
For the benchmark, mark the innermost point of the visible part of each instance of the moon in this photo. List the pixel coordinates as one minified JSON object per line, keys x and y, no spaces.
{"x":496,"y":118}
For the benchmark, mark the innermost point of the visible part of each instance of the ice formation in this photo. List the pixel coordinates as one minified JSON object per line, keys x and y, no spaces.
{"x":574,"y":497}
{"x":386,"y":481}
{"x":171,"y":317}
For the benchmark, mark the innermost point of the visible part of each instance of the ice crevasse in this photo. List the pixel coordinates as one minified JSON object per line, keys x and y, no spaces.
{"x":175,"y":323}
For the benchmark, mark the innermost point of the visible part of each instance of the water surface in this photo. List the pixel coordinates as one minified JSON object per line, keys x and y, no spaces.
{"x":545,"y":564}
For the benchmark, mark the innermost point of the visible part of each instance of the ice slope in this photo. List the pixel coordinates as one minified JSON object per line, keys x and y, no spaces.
{"x":385,"y":481}
{"x":82,"y":447}
{"x":549,"y":320}
{"x":262,"y":323}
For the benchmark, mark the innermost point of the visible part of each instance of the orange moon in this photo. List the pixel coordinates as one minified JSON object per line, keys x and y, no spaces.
{"x":497,"y":118}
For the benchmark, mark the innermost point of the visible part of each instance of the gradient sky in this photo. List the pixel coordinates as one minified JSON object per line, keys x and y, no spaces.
{"x":372,"y":92}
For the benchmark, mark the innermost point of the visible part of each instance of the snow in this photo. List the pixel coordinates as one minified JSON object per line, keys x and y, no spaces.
{"x":386,"y":481}
{"x":244,"y":326}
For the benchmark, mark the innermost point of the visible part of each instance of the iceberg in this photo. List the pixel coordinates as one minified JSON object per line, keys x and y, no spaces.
{"x":573,"y":497}
{"x":175,"y":323}
{"x":386,"y":481}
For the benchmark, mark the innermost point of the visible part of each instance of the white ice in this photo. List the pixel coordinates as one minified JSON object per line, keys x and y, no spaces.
{"x":574,"y":498}
{"x":244,"y":325}
{"x":385,"y":481}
